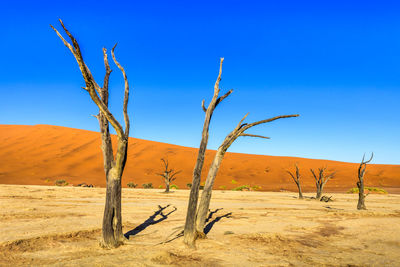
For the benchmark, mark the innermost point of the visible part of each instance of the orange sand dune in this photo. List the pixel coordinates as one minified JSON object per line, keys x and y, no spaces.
{"x":41,"y":154}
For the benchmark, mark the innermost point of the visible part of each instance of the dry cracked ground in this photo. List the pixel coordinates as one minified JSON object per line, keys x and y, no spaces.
{"x":61,"y":226}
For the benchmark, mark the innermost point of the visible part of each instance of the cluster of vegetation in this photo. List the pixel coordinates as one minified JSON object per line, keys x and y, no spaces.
{"x":61,"y":183}
{"x":242,"y":188}
{"x":256,"y":187}
{"x":370,"y":189}
{"x":245,"y":188}
{"x":147,"y":186}
{"x":132,"y":185}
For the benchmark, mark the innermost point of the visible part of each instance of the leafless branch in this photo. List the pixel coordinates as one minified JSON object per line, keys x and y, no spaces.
{"x":255,"y":135}
{"x":91,"y":85}
{"x":223,"y":97}
{"x":126,"y":94}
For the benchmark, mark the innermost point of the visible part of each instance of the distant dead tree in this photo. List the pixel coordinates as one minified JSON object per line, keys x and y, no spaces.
{"x":169,"y":175}
{"x":113,"y":166}
{"x":240,"y":129}
{"x":360,"y":183}
{"x":296,"y":178}
{"x":190,"y":222}
{"x":320,"y":180}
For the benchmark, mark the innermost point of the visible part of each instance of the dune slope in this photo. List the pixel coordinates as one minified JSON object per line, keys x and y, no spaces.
{"x":41,"y":154}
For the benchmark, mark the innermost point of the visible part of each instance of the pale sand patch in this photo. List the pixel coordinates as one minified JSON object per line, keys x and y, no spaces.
{"x":47,"y":225}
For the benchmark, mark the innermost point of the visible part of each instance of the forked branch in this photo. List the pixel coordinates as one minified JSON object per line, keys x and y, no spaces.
{"x":91,"y":86}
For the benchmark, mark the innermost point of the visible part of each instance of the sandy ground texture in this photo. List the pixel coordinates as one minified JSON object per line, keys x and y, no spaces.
{"x":42,"y":154}
{"x":61,"y":226}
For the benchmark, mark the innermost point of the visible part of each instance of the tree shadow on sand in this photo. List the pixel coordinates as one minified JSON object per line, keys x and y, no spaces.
{"x":207,"y":228}
{"x":210,"y":224}
{"x":150,"y":221}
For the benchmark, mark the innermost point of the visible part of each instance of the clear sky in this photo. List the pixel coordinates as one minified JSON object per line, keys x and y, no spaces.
{"x":336,"y":63}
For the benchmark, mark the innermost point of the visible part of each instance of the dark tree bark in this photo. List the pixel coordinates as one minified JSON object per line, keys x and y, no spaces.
{"x":169,"y":175}
{"x":204,"y":204}
{"x":296,"y":178}
{"x":113,"y":166}
{"x":320,"y":180}
{"x":360,"y":183}
{"x":190,"y":227}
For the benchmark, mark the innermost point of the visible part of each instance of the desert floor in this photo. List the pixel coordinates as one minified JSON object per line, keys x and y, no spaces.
{"x":48,"y":225}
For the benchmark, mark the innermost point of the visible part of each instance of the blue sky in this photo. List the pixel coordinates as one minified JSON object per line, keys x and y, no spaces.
{"x":336,"y":63}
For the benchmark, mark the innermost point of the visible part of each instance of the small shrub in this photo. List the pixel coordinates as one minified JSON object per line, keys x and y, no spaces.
{"x":222,"y":187}
{"x":370,"y":189}
{"x":148,"y":186}
{"x":61,"y":183}
{"x":47,"y":181}
{"x":132,"y":185}
{"x":256,"y":188}
{"x":189,"y":185}
{"x":234,"y":181}
{"x":174,"y":186}
{"x":242,"y":188}
{"x":353,"y":190}
{"x":160,"y":186}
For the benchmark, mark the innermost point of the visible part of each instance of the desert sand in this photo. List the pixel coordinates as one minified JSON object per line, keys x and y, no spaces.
{"x":61,"y":226}
{"x":42,"y":154}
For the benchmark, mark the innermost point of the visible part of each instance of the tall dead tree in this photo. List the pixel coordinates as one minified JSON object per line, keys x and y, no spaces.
{"x":190,"y":227}
{"x":360,"y":183}
{"x":169,"y":175}
{"x":296,"y":178}
{"x":320,"y":180}
{"x":212,"y":173}
{"x":113,"y":165}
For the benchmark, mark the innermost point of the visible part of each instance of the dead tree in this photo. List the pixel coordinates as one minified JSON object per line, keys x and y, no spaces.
{"x":169,"y":175}
{"x":360,"y":183}
{"x":212,"y":173}
{"x":320,"y":180}
{"x":190,"y":223}
{"x":113,"y":166}
{"x":296,"y":178}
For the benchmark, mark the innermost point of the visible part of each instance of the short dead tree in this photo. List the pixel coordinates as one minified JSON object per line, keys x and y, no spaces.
{"x":296,"y":178}
{"x":360,"y":183}
{"x":205,"y":199}
{"x":113,"y":165}
{"x":320,"y":180}
{"x":169,"y":175}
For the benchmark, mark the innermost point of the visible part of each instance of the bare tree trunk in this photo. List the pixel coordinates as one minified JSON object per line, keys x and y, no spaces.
{"x":212,"y":173}
{"x":206,"y":194}
{"x":112,"y":220}
{"x":113,"y":167}
{"x":166,"y":187}
{"x":319,"y":192}
{"x":360,"y":183}
{"x":361,"y":196}
{"x":300,"y":192}
{"x":296,"y":179}
{"x":190,"y":233}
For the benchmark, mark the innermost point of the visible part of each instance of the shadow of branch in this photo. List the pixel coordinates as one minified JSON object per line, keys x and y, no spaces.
{"x":210,"y":225}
